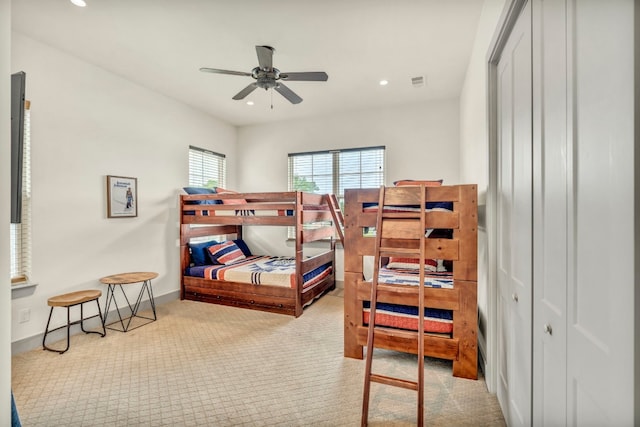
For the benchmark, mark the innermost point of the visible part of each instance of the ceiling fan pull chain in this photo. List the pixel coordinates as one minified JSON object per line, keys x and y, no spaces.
{"x":272,"y":99}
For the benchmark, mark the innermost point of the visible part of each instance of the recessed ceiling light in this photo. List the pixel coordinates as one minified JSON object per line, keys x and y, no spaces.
{"x":80,"y":3}
{"x":384,"y":82}
{"x":249,"y":102}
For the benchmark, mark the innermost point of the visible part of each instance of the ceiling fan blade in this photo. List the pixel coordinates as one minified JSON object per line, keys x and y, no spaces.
{"x":311,"y":76}
{"x":288,"y":93}
{"x":265,"y":57}
{"x":246,"y":91}
{"x":218,"y":71}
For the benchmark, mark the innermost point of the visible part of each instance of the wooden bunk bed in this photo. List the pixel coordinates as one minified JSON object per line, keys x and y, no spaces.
{"x":457,"y":246}
{"x":210,"y":216}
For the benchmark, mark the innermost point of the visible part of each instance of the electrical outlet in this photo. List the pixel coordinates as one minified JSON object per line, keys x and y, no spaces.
{"x":25,"y":315}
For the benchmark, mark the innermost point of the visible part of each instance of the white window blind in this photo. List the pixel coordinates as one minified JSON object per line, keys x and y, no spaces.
{"x":331,"y":172}
{"x":20,"y":234}
{"x":206,"y":168}
{"x":325,"y":172}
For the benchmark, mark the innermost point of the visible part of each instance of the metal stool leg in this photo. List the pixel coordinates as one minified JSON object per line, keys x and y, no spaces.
{"x":46,"y":332}
{"x":82,"y":319}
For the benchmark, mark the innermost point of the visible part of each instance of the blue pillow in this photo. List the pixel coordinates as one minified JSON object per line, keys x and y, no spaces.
{"x":199,"y":252}
{"x":243,"y":247}
{"x":201,"y":190}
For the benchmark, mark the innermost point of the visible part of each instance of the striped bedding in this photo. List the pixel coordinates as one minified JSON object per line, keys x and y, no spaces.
{"x":406,"y":317}
{"x":430,"y":206}
{"x":241,"y":212}
{"x":261,"y":270}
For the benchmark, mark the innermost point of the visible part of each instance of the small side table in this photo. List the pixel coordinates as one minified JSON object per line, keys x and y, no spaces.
{"x":118,"y":280}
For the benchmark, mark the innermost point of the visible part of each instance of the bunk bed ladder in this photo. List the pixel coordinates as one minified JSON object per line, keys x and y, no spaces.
{"x":336,"y":214}
{"x":394,"y":234}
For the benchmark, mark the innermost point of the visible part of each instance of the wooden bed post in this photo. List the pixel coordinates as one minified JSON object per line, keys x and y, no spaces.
{"x":465,"y":325}
{"x":465,"y":274}
{"x":299,"y":254}
{"x":353,"y":266}
{"x":184,"y":254}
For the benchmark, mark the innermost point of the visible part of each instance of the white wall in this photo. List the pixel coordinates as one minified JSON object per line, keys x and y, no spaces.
{"x":5,"y":200}
{"x":474,"y":161}
{"x":421,"y":140}
{"x":86,"y":124}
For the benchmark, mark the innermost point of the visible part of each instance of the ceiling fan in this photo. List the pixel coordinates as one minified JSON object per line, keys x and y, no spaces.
{"x":268,"y":77}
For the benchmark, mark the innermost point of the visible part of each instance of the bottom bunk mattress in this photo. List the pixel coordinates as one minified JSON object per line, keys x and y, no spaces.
{"x":261,"y":270}
{"x":436,"y":321}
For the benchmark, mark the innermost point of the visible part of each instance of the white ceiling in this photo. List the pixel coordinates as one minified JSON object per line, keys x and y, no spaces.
{"x":161,"y":44}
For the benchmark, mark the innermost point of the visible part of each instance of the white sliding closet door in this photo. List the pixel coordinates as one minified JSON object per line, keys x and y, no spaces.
{"x":601,"y":351}
{"x":514,"y":221}
{"x":552,"y":155}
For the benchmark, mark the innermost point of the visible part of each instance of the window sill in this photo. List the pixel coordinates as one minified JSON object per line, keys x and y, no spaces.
{"x":21,"y":290}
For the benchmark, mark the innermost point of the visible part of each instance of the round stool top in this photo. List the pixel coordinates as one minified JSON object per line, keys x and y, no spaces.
{"x":126,"y":278}
{"x":73,"y":298}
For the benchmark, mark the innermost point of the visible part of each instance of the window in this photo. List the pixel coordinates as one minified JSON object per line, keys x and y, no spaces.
{"x":206,"y":168}
{"x":331,"y":172}
{"x":20,"y":234}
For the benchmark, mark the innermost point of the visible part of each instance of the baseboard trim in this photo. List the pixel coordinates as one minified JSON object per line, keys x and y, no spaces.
{"x":35,"y":341}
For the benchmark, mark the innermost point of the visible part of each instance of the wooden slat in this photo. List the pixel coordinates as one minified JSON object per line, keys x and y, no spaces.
{"x":208,"y":230}
{"x":313,"y":199}
{"x":336,"y":215}
{"x":402,"y":196}
{"x":309,"y":264}
{"x":446,"y":299}
{"x":244,"y":220}
{"x":395,"y":382}
{"x":406,"y":342}
{"x":315,"y":216}
{"x":401,"y":229}
{"x":317,"y":234}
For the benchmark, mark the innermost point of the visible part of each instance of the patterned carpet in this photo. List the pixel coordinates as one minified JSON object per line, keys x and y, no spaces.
{"x":208,"y":365}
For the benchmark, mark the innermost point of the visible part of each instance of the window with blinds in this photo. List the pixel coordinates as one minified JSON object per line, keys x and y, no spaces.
{"x":20,"y":234}
{"x":331,"y":172}
{"x":206,"y":168}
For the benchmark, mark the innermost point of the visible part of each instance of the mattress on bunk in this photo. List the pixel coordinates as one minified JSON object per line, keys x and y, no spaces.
{"x":429,"y":207}
{"x":406,"y":317}
{"x":410,"y":276}
{"x":261,"y":270}
{"x":436,"y":320}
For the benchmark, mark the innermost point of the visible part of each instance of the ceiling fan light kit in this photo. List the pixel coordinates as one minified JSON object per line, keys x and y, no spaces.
{"x":267,"y":77}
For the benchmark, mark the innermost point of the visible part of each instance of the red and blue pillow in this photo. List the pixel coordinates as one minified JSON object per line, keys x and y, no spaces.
{"x":225,"y":253}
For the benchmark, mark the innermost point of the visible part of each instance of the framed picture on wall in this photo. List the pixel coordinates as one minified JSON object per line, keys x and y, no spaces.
{"x":122,"y":197}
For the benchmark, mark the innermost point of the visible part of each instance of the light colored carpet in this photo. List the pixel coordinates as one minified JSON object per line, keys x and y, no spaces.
{"x":207,"y":365}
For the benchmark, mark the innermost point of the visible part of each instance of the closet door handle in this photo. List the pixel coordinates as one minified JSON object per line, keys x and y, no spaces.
{"x":548,"y":329}
{"x":514,"y":297}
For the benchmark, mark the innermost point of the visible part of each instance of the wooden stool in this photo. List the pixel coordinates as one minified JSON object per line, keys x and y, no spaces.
{"x":69,"y":300}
